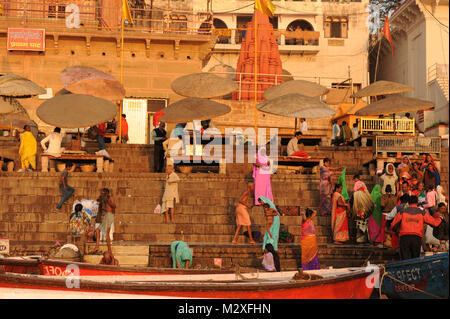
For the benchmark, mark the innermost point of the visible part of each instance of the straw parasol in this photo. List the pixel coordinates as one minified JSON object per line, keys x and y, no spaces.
{"x":19,"y":119}
{"x":383,"y":88}
{"x":13,"y":85}
{"x":296,"y":105}
{"x":203,"y":85}
{"x":395,"y":104}
{"x":90,"y":81}
{"x":6,"y":106}
{"x":76,"y":111}
{"x":192,"y":108}
{"x":302,"y":87}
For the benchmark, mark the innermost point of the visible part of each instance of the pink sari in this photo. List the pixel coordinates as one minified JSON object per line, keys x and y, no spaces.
{"x":261,"y":177}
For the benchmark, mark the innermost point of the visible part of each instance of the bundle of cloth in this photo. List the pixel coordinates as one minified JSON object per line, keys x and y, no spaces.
{"x":362,"y":208}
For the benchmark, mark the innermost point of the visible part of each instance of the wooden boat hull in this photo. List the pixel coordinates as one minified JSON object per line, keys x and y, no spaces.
{"x":429,"y":274}
{"x":58,"y":268}
{"x":349,"y":285}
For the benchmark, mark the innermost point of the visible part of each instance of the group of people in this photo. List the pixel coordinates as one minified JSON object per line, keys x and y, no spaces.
{"x":52,"y":143}
{"x":395,"y":213}
{"x":84,"y":222}
{"x":259,"y":193}
{"x":344,"y":135}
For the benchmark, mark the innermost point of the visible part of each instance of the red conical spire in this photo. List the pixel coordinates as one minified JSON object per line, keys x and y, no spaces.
{"x":268,"y":59}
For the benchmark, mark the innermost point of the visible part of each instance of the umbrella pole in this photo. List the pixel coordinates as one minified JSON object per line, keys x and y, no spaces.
{"x":256,"y":78}
{"x":121,"y":76}
{"x":120,"y":121}
{"x":295,"y":130}
{"x":394,"y":123}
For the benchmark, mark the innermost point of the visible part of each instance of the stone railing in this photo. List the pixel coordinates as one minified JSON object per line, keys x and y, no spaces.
{"x":408,"y":144}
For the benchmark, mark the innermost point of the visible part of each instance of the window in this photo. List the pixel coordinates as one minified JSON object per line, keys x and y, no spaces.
{"x":335,"y":27}
{"x":57,"y":11}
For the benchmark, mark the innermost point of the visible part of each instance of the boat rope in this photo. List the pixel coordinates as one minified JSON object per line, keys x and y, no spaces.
{"x":239,"y":276}
{"x":386,"y":274}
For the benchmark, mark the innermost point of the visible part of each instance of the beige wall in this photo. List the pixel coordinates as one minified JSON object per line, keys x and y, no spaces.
{"x":418,"y":46}
{"x":143,"y":76}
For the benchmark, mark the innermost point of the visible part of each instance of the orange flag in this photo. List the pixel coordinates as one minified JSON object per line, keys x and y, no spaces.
{"x":387,"y":33}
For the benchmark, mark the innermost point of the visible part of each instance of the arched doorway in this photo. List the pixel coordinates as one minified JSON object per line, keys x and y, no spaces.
{"x":298,"y":26}
{"x":222,"y":31}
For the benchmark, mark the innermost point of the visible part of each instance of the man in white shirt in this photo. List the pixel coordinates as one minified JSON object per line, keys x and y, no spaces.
{"x":54,"y":140}
{"x":293,"y":144}
{"x":303,"y":126}
{"x":336,"y":130}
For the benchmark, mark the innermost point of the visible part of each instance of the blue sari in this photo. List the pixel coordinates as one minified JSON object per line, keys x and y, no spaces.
{"x":180,"y":253}
{"x":274,"y":229}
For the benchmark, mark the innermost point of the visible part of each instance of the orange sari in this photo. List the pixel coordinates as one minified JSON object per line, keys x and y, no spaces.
{"x":339,"y":221}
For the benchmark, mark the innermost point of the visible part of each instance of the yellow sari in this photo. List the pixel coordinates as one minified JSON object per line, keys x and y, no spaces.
{"x":27,"y":150}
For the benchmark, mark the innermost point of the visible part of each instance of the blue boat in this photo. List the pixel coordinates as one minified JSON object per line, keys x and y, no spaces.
{"x":425,"y":278}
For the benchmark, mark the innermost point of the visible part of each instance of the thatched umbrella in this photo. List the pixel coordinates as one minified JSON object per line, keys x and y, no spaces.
{"x":12,"y":113}
{"x":6,"y":106}
{"x":203,"y":85}
{"x":296,"y":105}
{"x":383,"y":88}
{"x":90,"y":81}
{"x":189,"y":109}
{"x":395,"y":104}
{"x":16,"y":86}
{"x":302,"y":87}
{"x":18,"y":120}
{"x":76,"y":111}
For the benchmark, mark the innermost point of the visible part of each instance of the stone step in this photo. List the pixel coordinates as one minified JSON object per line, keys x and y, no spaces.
{"x":128,"y":255}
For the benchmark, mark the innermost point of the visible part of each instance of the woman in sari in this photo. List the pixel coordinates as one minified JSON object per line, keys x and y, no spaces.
{"x":181,"y":255}
{"x":362,"y":207}
{"x":261,"y":176}
{"x":404,"y":166}
{"x":272,"y":222}
{"x":416,"y":170}
{"x":308,"y":242}
{"x":376,"y":221}
{"x":326,"y":173}
{"x":389,"y":178}
{"x":27,"y":150}
{"x":339,"y":221}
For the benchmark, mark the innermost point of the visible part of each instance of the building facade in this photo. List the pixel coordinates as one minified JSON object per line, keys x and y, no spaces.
{"x":419,"y":31}
{"x":319,"y":40}
{"x":160,"y":45}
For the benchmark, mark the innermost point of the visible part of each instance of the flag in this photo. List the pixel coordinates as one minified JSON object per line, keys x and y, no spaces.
{"x":126,"y":14}
{"x":265,"y":6}
{"x":387,"y":33}
{"x":342,"y":182}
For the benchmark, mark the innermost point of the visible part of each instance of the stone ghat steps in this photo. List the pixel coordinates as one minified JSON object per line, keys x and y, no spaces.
{"x":157,"y":254}
{"x":290,"y":255}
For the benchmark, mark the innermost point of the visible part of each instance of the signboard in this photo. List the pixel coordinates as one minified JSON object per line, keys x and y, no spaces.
{"x":26,"y":39}
{"x":4,"y":246}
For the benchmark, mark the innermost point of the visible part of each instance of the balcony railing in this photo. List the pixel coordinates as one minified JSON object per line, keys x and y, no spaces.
{"x":283,"y":37}
{"x":408,"y":144}
{"x":368,"y":125}
{"x":52,"y":14}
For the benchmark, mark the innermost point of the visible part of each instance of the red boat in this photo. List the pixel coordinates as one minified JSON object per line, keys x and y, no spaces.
{"x":347,"y":283}
{"x":50,"y":267}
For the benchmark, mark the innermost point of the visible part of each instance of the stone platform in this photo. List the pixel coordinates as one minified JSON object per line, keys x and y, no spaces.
{"x":205,"y":216}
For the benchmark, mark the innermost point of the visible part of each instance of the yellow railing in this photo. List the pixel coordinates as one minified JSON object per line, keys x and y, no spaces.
{"x":407,"y":144}
{"x":368,"y":125}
